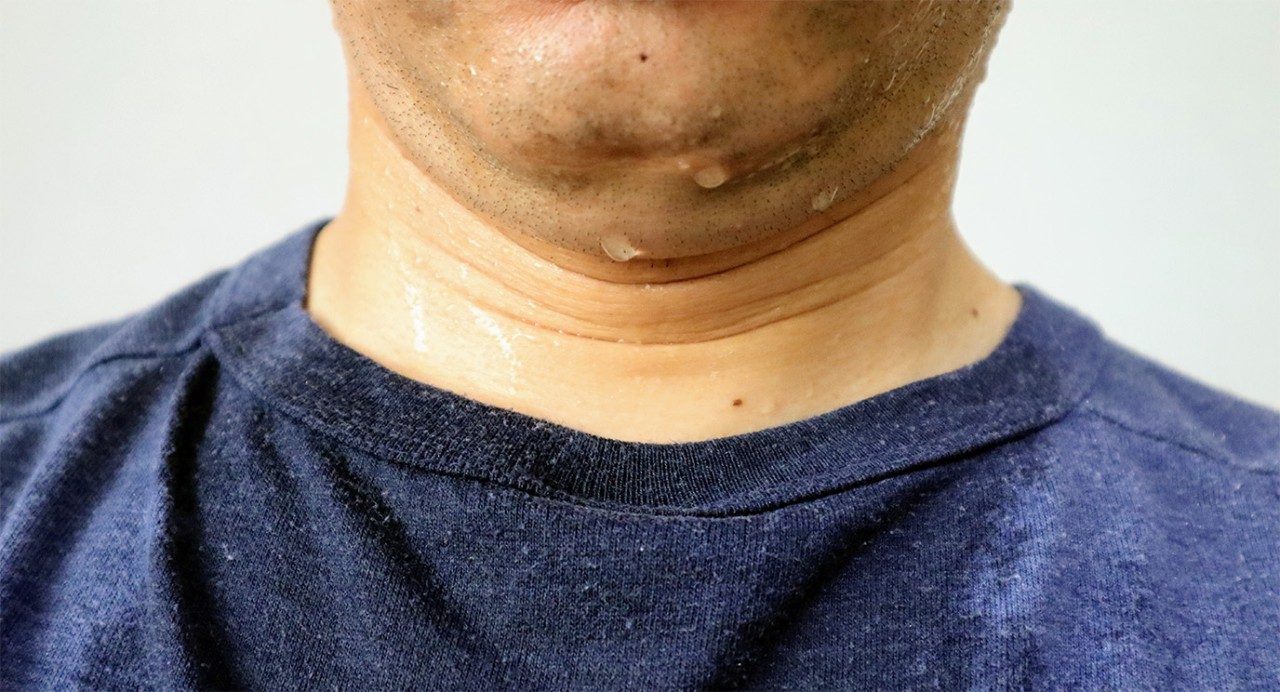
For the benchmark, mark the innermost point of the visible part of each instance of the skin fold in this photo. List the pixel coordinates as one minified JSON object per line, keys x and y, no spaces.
{"x":659,"y":221}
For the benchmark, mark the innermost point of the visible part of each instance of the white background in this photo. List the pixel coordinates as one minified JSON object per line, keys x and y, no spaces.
{"x":1123,"y":156}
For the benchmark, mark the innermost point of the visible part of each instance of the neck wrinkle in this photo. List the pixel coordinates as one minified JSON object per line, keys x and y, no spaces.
{"x":870,"y":299}
{"x":395,"y":216}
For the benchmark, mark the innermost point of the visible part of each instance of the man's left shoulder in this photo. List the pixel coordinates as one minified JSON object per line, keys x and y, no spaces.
{"x":1137,"y":396}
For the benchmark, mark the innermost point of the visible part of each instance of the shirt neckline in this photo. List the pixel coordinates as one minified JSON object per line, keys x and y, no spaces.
{"x":262,"y":333}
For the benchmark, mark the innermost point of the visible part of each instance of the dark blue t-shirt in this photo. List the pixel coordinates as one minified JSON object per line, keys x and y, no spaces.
{"x":215,"y":493}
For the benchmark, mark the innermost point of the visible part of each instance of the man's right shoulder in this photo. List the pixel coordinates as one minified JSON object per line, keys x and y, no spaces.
{"x":35,"y":379}
{"x":104,"y":401}
{"x":73,"y":405}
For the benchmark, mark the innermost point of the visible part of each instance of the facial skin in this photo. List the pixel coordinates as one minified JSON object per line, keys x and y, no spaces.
{"x":659,"y":221}
{"x":660,"y":130}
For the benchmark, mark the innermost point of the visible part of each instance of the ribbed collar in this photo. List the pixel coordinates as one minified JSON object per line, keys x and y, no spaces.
{"x":264,"y":336}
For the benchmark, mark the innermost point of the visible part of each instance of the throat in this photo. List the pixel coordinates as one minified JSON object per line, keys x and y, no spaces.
{"x":882,"y":296}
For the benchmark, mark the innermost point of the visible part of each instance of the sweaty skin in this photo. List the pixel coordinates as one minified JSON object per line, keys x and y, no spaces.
{"x":659,"y":221}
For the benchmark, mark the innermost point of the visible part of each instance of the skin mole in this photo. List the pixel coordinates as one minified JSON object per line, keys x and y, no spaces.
{"x":737,"y":402}
{"x":792,"y":99}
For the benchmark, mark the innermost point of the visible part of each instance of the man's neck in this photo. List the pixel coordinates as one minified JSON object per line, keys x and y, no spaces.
{"x":883,"y":293}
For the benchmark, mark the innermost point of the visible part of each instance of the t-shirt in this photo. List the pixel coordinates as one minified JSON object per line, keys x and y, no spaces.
{"x":216,"y":493}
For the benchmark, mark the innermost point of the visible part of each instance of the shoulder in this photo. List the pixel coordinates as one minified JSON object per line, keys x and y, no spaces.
{"x":35,"y":379}
{"x":84,"y":404}
{"x":74,"y":406}
{"x":1166,"y":490}
{"x":1139,"y":398}
{"x":39,"y":376}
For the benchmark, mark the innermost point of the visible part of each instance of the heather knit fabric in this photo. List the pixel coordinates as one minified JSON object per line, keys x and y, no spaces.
{"x":215,"y":493}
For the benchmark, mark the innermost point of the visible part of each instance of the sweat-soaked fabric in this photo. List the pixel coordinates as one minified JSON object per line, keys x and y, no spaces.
{"x":215,"y":493}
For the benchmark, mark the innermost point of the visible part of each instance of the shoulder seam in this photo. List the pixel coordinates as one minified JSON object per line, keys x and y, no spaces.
{"x":193,"y":343}
{"x":75,"y":379}
{"x":208,"y":319}
{"x":1179,"y":443}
